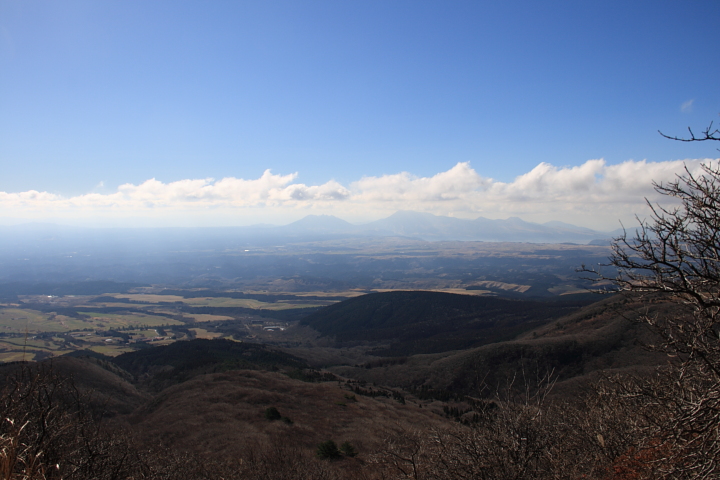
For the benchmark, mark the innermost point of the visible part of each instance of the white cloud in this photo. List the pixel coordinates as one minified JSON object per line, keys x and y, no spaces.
{"x":593,"y":194}
{"x":687,"y":107}
{"x":404,"y":187}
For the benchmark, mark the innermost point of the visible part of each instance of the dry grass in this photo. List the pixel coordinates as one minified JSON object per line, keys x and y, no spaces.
{"x":205,"y":317}
{"x":119,"y":320}
{"x":214,"y":426}
{"x":459,"y":291}
{"x":214,"y":301}
{"x":224,"y":413}
{"x":149,"y":298}
{"x":202,"y":333}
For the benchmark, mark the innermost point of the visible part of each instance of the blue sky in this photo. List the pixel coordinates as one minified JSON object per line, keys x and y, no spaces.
{"x":97,"y":95}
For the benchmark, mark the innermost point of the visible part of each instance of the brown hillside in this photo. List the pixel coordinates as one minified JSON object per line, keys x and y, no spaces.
{"x":108,"y":393}
{"x":224,"y":414}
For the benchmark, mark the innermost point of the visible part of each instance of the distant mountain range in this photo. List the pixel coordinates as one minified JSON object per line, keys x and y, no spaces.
{"x":427,"y":226}
{"x":424,"y":226}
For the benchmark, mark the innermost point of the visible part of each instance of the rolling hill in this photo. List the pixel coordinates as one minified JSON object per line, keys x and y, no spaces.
{"x":604,"y":336}
{"x":416,"y":322}
{"x":162,"y":366}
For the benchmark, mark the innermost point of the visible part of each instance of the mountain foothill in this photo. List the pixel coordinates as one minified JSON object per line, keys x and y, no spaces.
{"x":365,"y":372}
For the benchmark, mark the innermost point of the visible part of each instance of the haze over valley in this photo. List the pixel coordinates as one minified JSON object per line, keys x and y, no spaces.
{"x":438,"y":252}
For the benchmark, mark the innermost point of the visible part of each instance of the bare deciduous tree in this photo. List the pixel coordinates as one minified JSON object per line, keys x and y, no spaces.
{"x":675,"y":257}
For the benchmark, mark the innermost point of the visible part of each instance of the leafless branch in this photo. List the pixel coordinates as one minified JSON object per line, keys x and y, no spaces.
{"x":709,"y":133}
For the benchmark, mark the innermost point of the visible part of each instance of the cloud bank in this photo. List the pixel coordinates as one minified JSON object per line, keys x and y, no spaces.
{"x":593,"y":194}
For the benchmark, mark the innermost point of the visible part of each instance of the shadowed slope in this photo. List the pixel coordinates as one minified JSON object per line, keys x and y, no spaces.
{"x":101,"y":382}
{"x":603,"y":336}
{"x":162,"y":366}
{"x":414,"y":322}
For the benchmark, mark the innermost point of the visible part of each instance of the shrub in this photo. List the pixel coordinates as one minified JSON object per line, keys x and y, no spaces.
{"x":347,"y":449}
{"x":328,"y":449}
{"x":272,"y":413}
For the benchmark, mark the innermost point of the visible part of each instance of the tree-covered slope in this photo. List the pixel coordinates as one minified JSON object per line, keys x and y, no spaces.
{"x":165,"y":365}
{"x":427,"y":322}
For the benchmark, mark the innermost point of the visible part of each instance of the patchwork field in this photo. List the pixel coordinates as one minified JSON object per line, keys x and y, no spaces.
{"x":220,"y":302}
{"x":19,"y":320}
{"x":40,"y":326}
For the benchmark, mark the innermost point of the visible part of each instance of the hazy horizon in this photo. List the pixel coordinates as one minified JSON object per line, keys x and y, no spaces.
{"x":297,"y":221}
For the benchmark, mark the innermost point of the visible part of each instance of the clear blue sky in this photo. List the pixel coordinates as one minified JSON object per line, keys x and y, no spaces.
{"x":124,"y":91}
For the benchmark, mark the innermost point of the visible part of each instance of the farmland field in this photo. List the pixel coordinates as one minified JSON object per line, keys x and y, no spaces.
{"x":41,"y":326}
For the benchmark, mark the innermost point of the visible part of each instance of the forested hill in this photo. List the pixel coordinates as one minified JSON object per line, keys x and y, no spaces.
{"x":429,"y":322}
{"x":165,"y":365}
